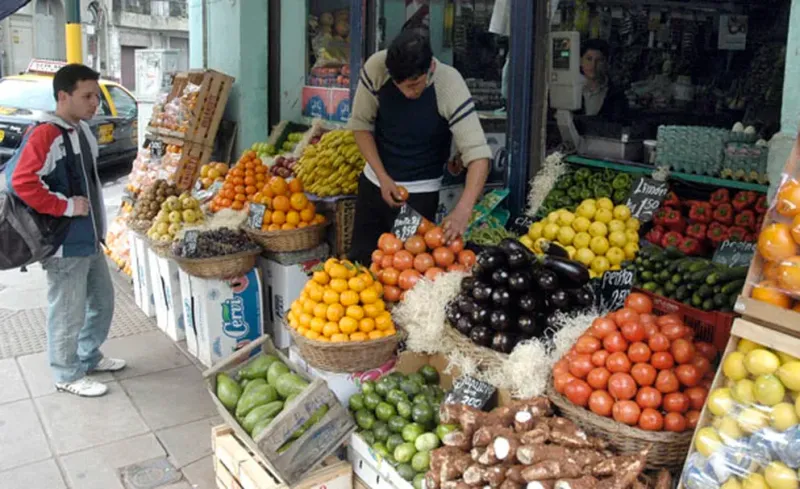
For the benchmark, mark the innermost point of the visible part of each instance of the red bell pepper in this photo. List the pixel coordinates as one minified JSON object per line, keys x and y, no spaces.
{"x":700,"y":212}
{"x":743,"y":200}
{"x":697,"y":231}
{"x":674,"y":221}
{"x":746,"y":219}
{"x":672,"y":238}
{"x":691,"y":246}
{"x":655,"y":235}
{"x":721,"y":196}
{"x":660,"y":215}
{"x":751,"y":238}
{"x":759,"y":222}
{"x":723,"y":214}
{"x":762,"y":206}
{"x":717,"y":233}
{"x":736,"y":233}
{"x":671,"y":200}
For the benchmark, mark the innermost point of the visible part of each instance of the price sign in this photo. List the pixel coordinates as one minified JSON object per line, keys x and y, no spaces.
{"x":521,"y":224}
{"x":157,"y":148}
{"x":190,"y":243}
{"x":646,"y":197}
{"x":734,"y":253}
{"x":256,"y":217}
{"x":612,"y":289}
{"x":406,"y":223}
{"x":471,"y":392}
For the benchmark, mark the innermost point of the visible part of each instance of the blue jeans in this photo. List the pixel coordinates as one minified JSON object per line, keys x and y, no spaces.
{"x":81,"y":304}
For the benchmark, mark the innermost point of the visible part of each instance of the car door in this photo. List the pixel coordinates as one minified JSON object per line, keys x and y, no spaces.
{"x":118,"y":132}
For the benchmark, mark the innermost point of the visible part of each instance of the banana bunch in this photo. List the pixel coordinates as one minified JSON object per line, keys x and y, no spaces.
{"x":332,"y":166}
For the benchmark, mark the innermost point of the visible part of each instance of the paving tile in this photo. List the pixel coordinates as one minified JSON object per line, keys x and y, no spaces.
{"x":170,"y":398}
{"x":11,"y":379}
{"x":97,"y":468}
{"x":76,"y":423}
{"x":36,"y":371}
{"x":201,"y":474}
{"x":145,"y":353}
{"x":38,"y":475}
{"x":34,"y":279}
{"x":180,"y":485}
{"x":189,"y":442}
{"x":15,"y":299}
{"x":21,"y":437}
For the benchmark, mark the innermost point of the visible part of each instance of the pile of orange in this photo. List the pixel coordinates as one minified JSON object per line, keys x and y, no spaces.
{"x":213,"y":172}
{"x":242,"y":182}
{"x":341,"y":302}
{"x":287,"y":205}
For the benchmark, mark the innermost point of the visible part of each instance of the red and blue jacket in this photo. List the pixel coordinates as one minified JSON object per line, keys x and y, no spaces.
{"x":38,"y":175}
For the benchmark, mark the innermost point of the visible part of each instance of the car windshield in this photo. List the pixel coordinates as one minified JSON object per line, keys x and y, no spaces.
{"x":27,"y":94}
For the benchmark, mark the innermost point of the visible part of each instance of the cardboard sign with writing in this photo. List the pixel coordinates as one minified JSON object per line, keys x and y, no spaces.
{"x":471,"y":392}
{"x":256,"y":217}
{"x":521,"y":224}
{"x":734,"y":253}
{"x":406,"y":223}
{"x":190,"y":242}
{"x":646,"y":197}
{"x":157,"y":148}
{"x":612,"y":289}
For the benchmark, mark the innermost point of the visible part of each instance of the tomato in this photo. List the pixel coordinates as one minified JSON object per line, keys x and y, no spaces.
{"x":387,"y":261}
{"x":639,"y":302}
{"x":626,"y":315}
{"x":389,"y":276}
{"x":644,"y":374}
{"x":403,"y":260}
{"x":408,"y":279}
{"x":668,"y":319}
{"x":602,"y":327}
{"x":433,"y":272}
{"x":687,"y":375}
{"x":598,"y":378}
{"x":423,"y":262}
{"x":377,"y":256}
{"x":626,"y":412}
{"x":673,"y":331}
{"x":415,"y":245}
{"x":587,"y":344}
{"x":633,"y":331}
{"x":443,"y":257}
{"x":581,"y":365}
{"x":456,"y":245}
{"x":392,"y":245}
{"x":561,"y":367}
{"x":651,"y":420}
{"x":674,"y":422}
{"x":383,"y":239}
{"x":676,"y":402}
{"x":658,"y":342}
{"x":697,"y":397}
{"x":424,"y":227}
{"x":648,"y":397}
{"x":702,"y":365}
{"x":662,"y":360}
{"x":560,"y":382}
{"x":682,"y":350}
{"x":618,"y":362}
{"x":647,"y":318}
{"x":614,"y":342}
{"x":706,"y":383}
{"x":707,"y":350}
{"x":578,"y":392}
{"x":639,"y":352}
{"x":692,"y":418}
{"x":402,"y":192}
{"x":601,"y":402}
{"x":667,"y":382}
{"x":467,"y":258}
{"x":650,"y":329}
{"x":599,"y":358}
{"x":391,"y":293}
{"x":434,"y":238}
{"x":457,"y":267}
{"x":621,"y":386}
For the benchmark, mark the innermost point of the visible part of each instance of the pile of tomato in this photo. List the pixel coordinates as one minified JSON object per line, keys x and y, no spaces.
{"x":640,"y":369}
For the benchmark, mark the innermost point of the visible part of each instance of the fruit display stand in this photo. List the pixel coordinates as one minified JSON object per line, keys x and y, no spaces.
{"x":193,"y":157}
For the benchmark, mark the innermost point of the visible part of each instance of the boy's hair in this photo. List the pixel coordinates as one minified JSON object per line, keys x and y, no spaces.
{"x":409,"y":54}
{"x":595,"y":45}
{"x":66,"y":79}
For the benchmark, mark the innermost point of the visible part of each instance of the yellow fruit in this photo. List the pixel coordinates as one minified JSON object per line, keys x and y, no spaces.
{"x":335,"y":312}
{"x":308,"y":306}
{"x":581,"y":240}
{"x":585,"y":256}
{"x":605,"y":203}
{"x":599,"y":245}
{"x":305,"y":320}
{"x":526,"y":241}
{"x":587,"y":210}
{"x":755,"y":481}
{"x":321,"y":278}
{"x":752,"y":419}
{"x":603,"y":215}
{"x":330,"y":296}
{"x":786,"y":358}
{"x":317,"y":324}
{"x":339,"y":338}
{"x":321,"y":310}
{"x":366,"y":276}
{"x":383,"y":322}
{"x":631,"y":249}
{"x":366,"y":325}
{"x":731,"y":483}
{"x":707,"y":441}
{"x":553,"y":217}
{"x":768,"y":390}
{"x":338,"y":285}
{"x":316,"y":293}
{"x":302,"y":331}
{"x":378,"y":287}
{"x":359,"y":336}
{"x":746,"y":346}
{"x":728,"y":429}
{"x":571,"y":250}
{"x":797,"y":406}
{"x":733,"y":366}
{"x":720,"y":401}
{"x":616,"y":225}
{"x":297,"y":307}
{"x":535,"y":231}
{"x":566,"y":218}
{"x":761,"y":362}
{"x":622,"y":212}
{"x":369,"y":296}
{"x":744,"y":391}
{"x":779,"y":476}
{"x":581,"y":224}
{"x":615,"y":256}
{"x":598,"y":229}
{"x":312,"y":335}
{"x":633,"y":224}
{"x":329,"y":263}
{"x":355,"y":311}
{"x":550,"y":231}
{"x":348,"y":325}
{"x":349,"y":298}
{"x":339,"y":271}
{"x":375,"y":334}
{"x":600,"y":265}
{"x":789,"y":373}
{"x":618,"y":239}
{"x":782,"y":417}
{"x":631,"y":236}
{"x":565,"y":235}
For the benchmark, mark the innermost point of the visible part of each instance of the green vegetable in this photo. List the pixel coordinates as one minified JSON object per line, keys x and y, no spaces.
{"x":582,"y":174}
{"x":381,"y":449}
{"x":421,"y":461}
{"x":395,"y":396}
{"x":708,"y":304}
{"x":404,"y":408}
{"x":620,"y":196}
{"x":602,"y":190}
{"x":621,"y":182}
{"x":422,"y":413}
{"x":243,"y":383}
{"x":290,"y":383}
{"x":356,"y":402}
{"x":443,"y":429}
{"x":260,"y":426}
{"x":381,"y":431}
{"x":396,"y":424}
{"x":720,"y":300}
{"x":574,"y":192}
{"x":586,"y":194}
{"x":406,"y":471}
{"x":419,"y":481}
{"x":733,"y":287}
{"x":228,"y":391}
{"x":365,"y":419}
{"x":256,"y":382}
{"x":368,"y":436}
{"x":705,"y":291}
{"x":258,"y":367}
{"x":650,"y":286}
{"x":269,"y":410}
{"x":276,"y":370}
{"x":372,"y":400}
{"x":404,"y":453}
{"x":412,"y":431}
{"x":426,"y":442}
{"x":410,"y":388}
{"x":394,"y":441}
{"x":386,"y":384}
{"x":367,"y":386}
{"x":257,"y":396}
{"x":417,"y":378}
{"x":385,"y":411}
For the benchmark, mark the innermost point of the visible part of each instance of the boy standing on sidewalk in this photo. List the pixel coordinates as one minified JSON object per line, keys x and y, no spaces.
{"x":80,"y":292}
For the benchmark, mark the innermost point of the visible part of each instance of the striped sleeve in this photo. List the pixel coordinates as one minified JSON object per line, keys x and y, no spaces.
{"x":35,"y":160}
{"x":457,"y":107}
{"x":365,"y":103}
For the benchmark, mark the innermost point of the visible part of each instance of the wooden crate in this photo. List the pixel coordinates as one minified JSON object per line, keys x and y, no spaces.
{"x":193,"y":157}
{"x":341,"y":211}
{"x":316,"y":444}
{"x":238,"y":467}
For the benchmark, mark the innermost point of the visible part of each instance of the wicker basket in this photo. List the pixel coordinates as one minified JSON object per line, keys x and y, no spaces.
{"x":667,"y":450}
{"x":160,"y":248}
{"x":485,"y":358}
{"x":219,"y":267}
{"x":289,"y":240}
{"x":139,"y":227}
{"x":357,"y":356}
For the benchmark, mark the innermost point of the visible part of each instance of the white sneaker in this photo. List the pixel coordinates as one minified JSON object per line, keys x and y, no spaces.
{"x":107,"y":364}
{"x":84,"y":387}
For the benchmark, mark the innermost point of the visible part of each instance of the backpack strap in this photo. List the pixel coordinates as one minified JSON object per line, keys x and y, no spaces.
{"x":73,"y":173}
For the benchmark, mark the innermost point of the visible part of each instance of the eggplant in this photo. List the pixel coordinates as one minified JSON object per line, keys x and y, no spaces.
{"x":554,"y":249}
{"x":519,"y":281}
{"x":480,"y":316}
{"x":499,"y":320}
{"x":453,"y":313}
{"x":583,"y":297}
{"x":503,"y":342}
{"x":481,"y":292}
{"x":552,"y":323}
{"x":500,"y":277}
{"x":559,"y":299}
{"x":468,"y":283}
{"x":510,"y":245}
{"x":501,"y":297}
{"x":528,"y":303}
{"x":464,"y":325}
{"x":491,"y":259}
{"x":466,"y":304}
{"x":546,"y":279}
{"x":527,"y":325}
{"x":570,"y":272}
{"x":518,"y":259}
{"x":481,"y":335}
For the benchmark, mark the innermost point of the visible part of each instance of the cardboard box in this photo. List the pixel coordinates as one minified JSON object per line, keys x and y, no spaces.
{"x":190,"y":312}
{"x":370,"y":467}
{"x":140,"y":271}
{"x":167,"y":296}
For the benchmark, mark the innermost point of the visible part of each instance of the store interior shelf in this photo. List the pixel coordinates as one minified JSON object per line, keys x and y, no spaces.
{"x":631,"y":167}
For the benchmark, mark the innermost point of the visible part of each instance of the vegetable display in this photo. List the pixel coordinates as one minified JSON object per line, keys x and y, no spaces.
{"x":175,"y":212}
{"x":215,"y":242}
{"x":513,"y":294}
{"x":695,"y":281}
{"x":148,"y":204}
{"x":585,"y":183}
{"x":639,"y":369}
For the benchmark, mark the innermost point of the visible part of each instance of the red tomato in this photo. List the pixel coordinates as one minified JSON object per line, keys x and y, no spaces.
{"x":433,"y":272}
{"x":692,"y":417}
{"x":408,"y":279}
{"x":627,"y":412}
{"x":561,"y":367}
{"x":707,"y":350}
{"x":647,"y":318}
{"x":639,"y":302}
{"x":424,"y":227}
{"x":602,"y":327}
{"x":389,"y":276}
{"x":578,"y":392}
{"x":676,"y":402}
{"x":658,"y":342}
{"x":702,"y":365}
{"x":403,"y":260}
{"x":673,"y":331}
{"x":621,"y":386}
{"x":598,"y":378}
{"x":467,"y":258}
{"x":392,"y":245}
{"x":682,"y":350}
{"x":674,"y":422}
{"x":387,"y":261}
{"x":391,"y":293}
{"x":639,"y":352}
{"x":587,"y":344}
{"x":667,"y":382}
{"x":456,"y":245}
{"x":697,"y":397}
{"x":618,"y":362}
{"x":614,"y":342}
{"x":668,"y":319}
{"x":383,"y":239}
{"x":560,"y":381}
{"x":457,"y":267}
{"x":377,"y":256}
{"x":423,"y":262}
{"x":626,"y":315}
{"x":581,"y":365}
{"x":443,"y":257}
{"x":705,"y":383}
{"x":633,"y":331}
{"x":648,"y":397}
{"x":662,"y":360}
{"x":650,"y":329}
{"x":651,"y":420}
{"x":687,"y":375}
{"x":415,"y":245}
{"x":644,"y":374}
{"x":434,"y":238}
{"x":601,"y":402}
{"x":599,"y":358}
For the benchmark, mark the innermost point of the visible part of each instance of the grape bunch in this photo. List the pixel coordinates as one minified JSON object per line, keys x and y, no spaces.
{"x":217,"y":242}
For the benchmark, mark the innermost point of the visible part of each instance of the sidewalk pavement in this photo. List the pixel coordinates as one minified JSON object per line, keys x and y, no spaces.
{"x":152,"y":430}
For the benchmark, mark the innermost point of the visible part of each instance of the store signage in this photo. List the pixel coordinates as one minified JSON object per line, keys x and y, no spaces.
{"x":406,"y":223}
{"x":157,"y":148}
{"x":256,"y":217}
{"x":612,"y":289}
{"x":646,"y":197}
{"x":734,"y":253}
{"x":521,"y":224}
{"x":190,"y":242}
{"x":471,"y":392}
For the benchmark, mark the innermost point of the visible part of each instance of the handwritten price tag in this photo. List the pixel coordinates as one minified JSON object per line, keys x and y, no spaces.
{"x":190,"y":243}
{"x":256,"y":217}
{"x":646,"y":197}
{"x":612,"y":289}
{"x":734,"y":253}
{"x":157,"y":148}
{"x":406,"y":223}
{"x":471,"y":392}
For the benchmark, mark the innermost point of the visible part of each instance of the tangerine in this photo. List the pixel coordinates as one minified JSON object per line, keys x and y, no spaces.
{"x":384,"y":321}
{"x":298,"y":201}
{"x":278,"y":217}
{"x":796,"y":229}
{"x":307,"y":215}
{"x":339,"y":338}
{"x":281,"y":203}
{"x":349,"y":298}
{"x":787,"y":203}
{"x":331,"y":297}
{"x":335,"y":312}
{"x":274,"y":227}
{"x":775,"y":242}
{"x":767,"y":291}
{"x":789,"y":274}
{"x":375,"y":334}
{"x":317,"y":324}
{"x":295,"y":185}
{"x":348,"y":325}
{"x":222,"y":168}
{"x":355,"y":311}
{"x":237,"y":205}
{"x":330,"y":329}
{"x":293,"y":217}
{"x":287,"y":226}
{"x":321,"y":310}
{"x":366,"y":325}
{"x":359,"y":336}
{"x":319,"y":219}
{"x":279,"y":185}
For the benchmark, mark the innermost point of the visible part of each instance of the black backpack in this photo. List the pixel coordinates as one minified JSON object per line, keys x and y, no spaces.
{"x":26,"y":236}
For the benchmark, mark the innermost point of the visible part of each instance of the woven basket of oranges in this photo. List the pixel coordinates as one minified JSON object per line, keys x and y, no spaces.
{"x":340,"y":322}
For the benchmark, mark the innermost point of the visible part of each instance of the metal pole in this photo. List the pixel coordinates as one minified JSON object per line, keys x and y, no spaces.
{"x":73,"y":31}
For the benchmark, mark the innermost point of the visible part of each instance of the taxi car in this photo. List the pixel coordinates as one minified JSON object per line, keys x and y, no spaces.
{"x":26,"y":97}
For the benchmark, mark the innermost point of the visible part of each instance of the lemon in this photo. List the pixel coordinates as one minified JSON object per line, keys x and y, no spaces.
{"x":598,"y":229}
{"x":582,"y":240}
{"x":585,"y":256}
{"x":731,"y":483}
{"x":728,"y":429}
{"x":565,"y":235}
{"x":768,"y":390}
{"x":751,"y":420}
{"x":581,"y":224}
{"x":633,"y":224}
{"x":599,"y":245}
{"x":535,"y":231}
{"x":616,"y":225}
{"x":553,"y":216}
{"x":720,"y":401}
{"x":631,"y":236}
{"x":600,"y":264}
{"x":587,"y":210}
{"x":786,"y":358}
{"x":779,"y":476}
{"x":744,"y":391}
{"x":782,"y":417}
{"x":571,"y":250}
{"x":615,"y":256}
{"x":527,"y":241}
{"x":603,"y":215}
{"x":789,"y":373}
{"x":614,"y":268}
{"x":746,"y":346}
{"x":733,"y":366}
{"x":605,"y":204}
{"x":707,"y":441}
{"x":537,"y":245}
{"x":761,"y":362}
{"x":755,"y":481}
{"x":617,"y":238}
{"x":622,"y":212}
{"x":797,"y":406}
{"x":566,"y":218}
{"x":630,"y":250}
{"x":550,"y":231}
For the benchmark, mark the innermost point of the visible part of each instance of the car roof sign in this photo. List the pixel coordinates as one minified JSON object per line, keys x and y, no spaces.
{"x":45,"y":66}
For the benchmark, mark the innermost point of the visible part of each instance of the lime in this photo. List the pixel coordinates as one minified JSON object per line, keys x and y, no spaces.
{"x":364,"y":419}
{"x":412,"y":431}
{"x":411,"y":388}
{"x":430,"y":374}
{"x":367,"y":386}
{"x":403,"y":453}
{"x":384,"y":411}
{"x":405,"y":471}
{"x":581,"y":224}
{"x":396,"y":395}
{"x":443,"y":429}
{"x":565,"y":235}
{"x":419,"y":481}
{"x":417,"y":378}
{"x":404,"y":409}
{"x":381,"y":449}
{"x":618,"y":239}
{"x":386,"y":384}
{"x":372,"y":400}
{"x":421,"y":461}
{"x":426,"y":442}
{"x":394,"y":441}
{"x":422,"y":413}
{"x":356,"y":402}
{"x":397,"y":423}
{"x":368,"y":436}
{"x":381,"y":431}
{"x":598,"y":229}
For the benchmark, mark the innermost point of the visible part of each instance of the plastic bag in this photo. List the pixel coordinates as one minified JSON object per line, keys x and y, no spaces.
{"x":331,"y":45}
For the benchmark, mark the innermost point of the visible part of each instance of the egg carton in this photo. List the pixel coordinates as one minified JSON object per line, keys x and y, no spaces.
{"x":691,"y":149}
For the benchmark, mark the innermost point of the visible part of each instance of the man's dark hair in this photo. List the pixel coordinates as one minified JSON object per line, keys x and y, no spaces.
{"x":595,"y":45}
{"x":409,"y":54}
{"x":66,"y":79}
